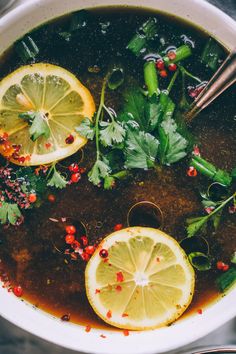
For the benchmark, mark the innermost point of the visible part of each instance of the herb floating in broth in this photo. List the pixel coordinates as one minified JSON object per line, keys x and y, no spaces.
{"x":142,"y":71}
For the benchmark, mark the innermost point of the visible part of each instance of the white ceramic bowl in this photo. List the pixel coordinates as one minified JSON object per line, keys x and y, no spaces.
{"x":14,"y":25}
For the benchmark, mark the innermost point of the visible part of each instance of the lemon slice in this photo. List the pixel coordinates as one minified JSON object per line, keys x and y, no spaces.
{"x":59,"y":96}
{"x":145,"y":280}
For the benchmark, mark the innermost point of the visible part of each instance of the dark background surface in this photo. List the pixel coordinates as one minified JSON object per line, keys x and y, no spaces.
{"x":16,"y":341}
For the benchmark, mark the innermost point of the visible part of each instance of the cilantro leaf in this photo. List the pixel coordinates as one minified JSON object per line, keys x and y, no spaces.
{"x":109,"y":182}
{"x":113,"y":133}
{"x":172,"y":145}
{"x":140,"y":148}
{"x":56,"y":180}
{"x":134,"y":108}
{"x":38,"y":122}
{"x":195,"y":225}
{"x":99,"y":171}
{"x":9,"y":213}
{"x":86,"y":129}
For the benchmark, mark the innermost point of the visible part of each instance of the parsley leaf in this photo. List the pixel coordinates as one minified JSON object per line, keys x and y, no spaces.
{"x":134,"y":108}
{"x":172,"y":145}
{"x":113,"y":133}
{"x":39,"y":126}
{"x":9,"y":213}
{"x":140,"y":148}
{"x":56,"y":180}
{"x":86,"y":129}
{"x":99,"y":171}
{"x":195,"y":225}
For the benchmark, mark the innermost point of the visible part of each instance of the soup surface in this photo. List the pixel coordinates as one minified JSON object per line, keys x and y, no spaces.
{"x":32,"y":254}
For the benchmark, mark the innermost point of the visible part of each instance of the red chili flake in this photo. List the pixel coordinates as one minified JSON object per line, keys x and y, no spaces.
{"x":196,"y":151}
{"x":74,"y":167}
{"x":199,"y":311}
{"x":70,"y":229}
{"x":119,"y":277}
{"x":75,"y":244}
{"x":51,"y":198}
{"x":85,"y":256}
{"x":66,"y":317}
{"x":90,"y":249}
{"x":225,"y":268}
{"x":48,"y":145}
{"x":118,"y":227}
{"x":106,"y":260}
{"x":126,"y":332}
{"x":70,"y":139}
{"x":232,"y":209}
{"x":3,"y":138}
{"x":192,"y":172}
{"x":171,"y":55}
{"x":158,"y":259}
{"x":103,"y":253}
{"x":32,"y":198}
{"x":97,"y":291}
{"x":82,"y":170}
{"x":21,"y":159}
{"x":75,"y":177}
{"x":69,"y":239}
{"x":102,"y":336}
{"x":172,"y":67}
{"x":160,"y":65}
{"x":208,"y":210}
{"x":125,"y":315}
{"x":163,"y":74}
{"x":118,"y":288}
{"x":84,"y":240}
{"x":18,"y":291}
{"x":88,"y":328}
{"x":109,"y":314}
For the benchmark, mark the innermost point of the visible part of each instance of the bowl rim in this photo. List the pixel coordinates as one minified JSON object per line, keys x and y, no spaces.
{"x":72,"y":336}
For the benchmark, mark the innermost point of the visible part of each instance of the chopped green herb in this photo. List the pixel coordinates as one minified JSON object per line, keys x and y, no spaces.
{"x":209,"y":170}
{"x":86,"y":129}
{"x":199,"y":224}
{"x":212,"y":54}
{"x":226,"y":280}
{"x":146,"y":32}
{"x":173,"y":146}
{"x":150,"y":78}
{"x":56,"y":179}
{"x":99,"y":171}
{"x":140,"y":148}
{"x":111,"y":133}
{"x":27,"y":49}
{"x":181,"y":53}
{"x":115,"y":77}
{"x":200,"y":261}
{"x":9,"y":213}
{"x":38,"y":124}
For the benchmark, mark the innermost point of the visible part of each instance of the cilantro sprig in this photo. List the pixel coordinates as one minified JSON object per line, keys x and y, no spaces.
{"x":38,"y":124}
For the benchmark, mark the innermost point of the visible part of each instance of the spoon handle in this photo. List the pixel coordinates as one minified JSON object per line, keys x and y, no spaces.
{"x":224,"y":77}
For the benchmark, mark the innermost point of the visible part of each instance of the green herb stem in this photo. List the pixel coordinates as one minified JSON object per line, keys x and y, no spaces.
{"x":172,"y":81}
{"x":182,"y":53}
{"x":186,"y":72}
{"x":150,"y":77}
{"x":221,"y":206}
{"x":98,"y":115}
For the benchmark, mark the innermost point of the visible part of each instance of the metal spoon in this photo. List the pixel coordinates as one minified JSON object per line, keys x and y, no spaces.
{"x":224,"y":77}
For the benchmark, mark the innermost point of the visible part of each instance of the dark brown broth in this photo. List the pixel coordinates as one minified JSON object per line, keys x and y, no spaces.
{"x":30,"y":254}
